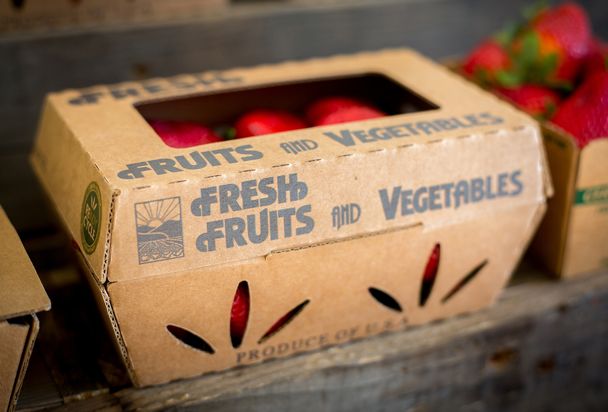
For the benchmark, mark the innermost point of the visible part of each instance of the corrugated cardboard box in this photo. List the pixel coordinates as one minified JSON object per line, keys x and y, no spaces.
{"x":335,"y":232}
{"x":21,"y":296}
{"x":573,"y":237}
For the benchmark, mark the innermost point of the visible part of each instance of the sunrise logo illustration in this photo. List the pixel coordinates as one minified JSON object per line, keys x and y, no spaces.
{"x":159,"y":230}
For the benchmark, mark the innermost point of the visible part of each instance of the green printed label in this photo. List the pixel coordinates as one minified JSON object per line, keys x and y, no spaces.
{"x":590,"y":195}
{"x":90,"y":218}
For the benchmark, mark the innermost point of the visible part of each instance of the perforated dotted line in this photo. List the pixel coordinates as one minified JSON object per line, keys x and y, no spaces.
{"x":494,"y":132}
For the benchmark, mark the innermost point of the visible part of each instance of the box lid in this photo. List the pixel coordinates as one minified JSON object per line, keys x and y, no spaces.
{"x":21,"y":292}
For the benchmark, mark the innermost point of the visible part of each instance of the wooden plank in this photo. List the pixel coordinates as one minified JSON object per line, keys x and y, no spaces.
{"x":20,"y":193}
{"x":542,"y":347}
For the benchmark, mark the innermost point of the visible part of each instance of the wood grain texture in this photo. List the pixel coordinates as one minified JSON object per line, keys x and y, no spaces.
{"x":249,"y":33}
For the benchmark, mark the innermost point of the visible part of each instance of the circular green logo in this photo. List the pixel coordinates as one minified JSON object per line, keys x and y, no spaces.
{"x":90,"y":218}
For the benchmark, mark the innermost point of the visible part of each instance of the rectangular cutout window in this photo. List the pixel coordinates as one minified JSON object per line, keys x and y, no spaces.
{"x":212,"y":117}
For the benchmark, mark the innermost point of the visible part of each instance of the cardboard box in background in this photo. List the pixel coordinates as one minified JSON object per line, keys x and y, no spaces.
{"x":35,"y":15}
{"x":573,"y":237}
{"x":21,"y":296}
{"x":328,"y":229}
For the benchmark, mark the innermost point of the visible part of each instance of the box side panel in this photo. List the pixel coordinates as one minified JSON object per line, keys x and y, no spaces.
{"x":32,"y":320}
{"x":73,"y":182}
{"x":550,"y":240}
{"x":102,"y":299}
{"x":587,"y":245}
{"x":178,"y":325}
{"x":226,"y":218}
{"x":13,"y":341}
{"x":21,"y":291}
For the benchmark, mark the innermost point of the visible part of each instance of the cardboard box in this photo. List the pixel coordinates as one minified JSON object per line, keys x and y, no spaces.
{"x":329,"y":230}
{"x":21,"y":296}
{"x":573,"y":237}
{"x":25,"y":16}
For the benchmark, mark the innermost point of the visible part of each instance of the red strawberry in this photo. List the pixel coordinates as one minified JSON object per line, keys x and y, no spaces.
{"x":485,"y":61}
{"x":597,"y":61}
{"x":563,"y":34}
{"x":350,"y":114}
{"x":585,"y":113}
{"x":183,"y":134}
{"x":536,"y":100}
{"x":260,"y":122}
{"x":239,"y":314}
{"x":323,"y":107}
{"x":430,"y":274}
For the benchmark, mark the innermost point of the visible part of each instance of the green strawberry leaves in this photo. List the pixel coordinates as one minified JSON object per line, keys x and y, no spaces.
{"x":506,"y":36}
{"x":524,"y":57}
{"x":482,"y":77}
{"x":509,"y":79}
{"x":529,"y":66}
{"x":550,"y":109}
{"x":226,"y":132}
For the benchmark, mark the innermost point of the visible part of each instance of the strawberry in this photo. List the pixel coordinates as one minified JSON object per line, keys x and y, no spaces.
{"x":585,"y":113}
{"x":597,"y":60}
{"x":326,"y":106}
{"x":485,"y":61}
{"x":536,"y":100}
{"x":552,"y":47}
{"x":239,"y":314}
{"x":430,"y":274}
{"x":260,"y":122}
{"x":350,"y":114}
{"x":183,"y":134}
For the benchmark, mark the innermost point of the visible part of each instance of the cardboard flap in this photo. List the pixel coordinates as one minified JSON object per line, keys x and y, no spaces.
{"x":586,"y":248}
{"x":13,"y":339}
{"x":563,"y":157}
{"x":20,"y":289}
{"x":593,"y":165}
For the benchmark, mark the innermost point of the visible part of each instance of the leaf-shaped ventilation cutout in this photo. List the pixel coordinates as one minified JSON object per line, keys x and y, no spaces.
{"x":462,"y":283}
{"x":284,"y":321}
{"x":190,"y":339}
{"x":385,"y":299}
{"x":430,"y":274}
{"x":239,"y":314}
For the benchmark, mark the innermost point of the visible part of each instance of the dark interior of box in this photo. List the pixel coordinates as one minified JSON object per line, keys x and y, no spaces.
{"x":224,"y":108}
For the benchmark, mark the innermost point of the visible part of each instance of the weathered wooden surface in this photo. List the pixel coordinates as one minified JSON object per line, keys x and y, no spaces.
{"x":248,"y":33}
{"x":543,"y":347}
